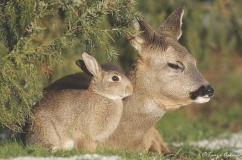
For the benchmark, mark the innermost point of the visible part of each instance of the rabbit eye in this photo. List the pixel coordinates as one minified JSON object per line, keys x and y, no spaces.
{"x":115,"y":78}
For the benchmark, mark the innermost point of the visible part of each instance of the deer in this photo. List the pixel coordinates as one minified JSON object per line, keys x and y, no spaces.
{"x":164,"y":77}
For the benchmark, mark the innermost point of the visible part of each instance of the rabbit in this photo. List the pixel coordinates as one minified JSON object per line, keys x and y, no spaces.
{"x":76,"y":118}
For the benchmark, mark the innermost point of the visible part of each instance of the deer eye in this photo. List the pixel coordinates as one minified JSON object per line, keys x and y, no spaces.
{"x":173,"y":66}
{"x":115,"y":78}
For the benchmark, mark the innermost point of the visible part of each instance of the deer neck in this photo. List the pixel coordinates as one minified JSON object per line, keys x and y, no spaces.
{"x":142,"y":103}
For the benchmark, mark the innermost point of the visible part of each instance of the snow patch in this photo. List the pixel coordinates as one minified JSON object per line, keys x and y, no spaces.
{"x":81,"y":157}
{"x":235,"y":142}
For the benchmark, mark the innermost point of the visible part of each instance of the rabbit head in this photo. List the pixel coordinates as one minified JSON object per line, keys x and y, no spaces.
{"x":107,"y":83}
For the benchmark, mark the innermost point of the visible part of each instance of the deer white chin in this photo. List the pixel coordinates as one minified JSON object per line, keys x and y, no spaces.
{"x":202,"y":99}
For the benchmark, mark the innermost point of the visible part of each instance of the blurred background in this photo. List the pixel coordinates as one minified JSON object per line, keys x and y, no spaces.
{"x":212,"y":33}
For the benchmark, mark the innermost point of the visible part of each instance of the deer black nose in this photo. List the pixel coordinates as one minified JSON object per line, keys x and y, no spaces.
{"x":210,"y":91}
{"x":202,"y":91}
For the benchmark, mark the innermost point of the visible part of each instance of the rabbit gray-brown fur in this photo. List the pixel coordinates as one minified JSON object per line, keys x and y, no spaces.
{"x":67,"y":119}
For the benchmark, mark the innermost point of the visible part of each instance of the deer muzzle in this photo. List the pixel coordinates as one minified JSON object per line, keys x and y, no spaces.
{"x":202,"y":94}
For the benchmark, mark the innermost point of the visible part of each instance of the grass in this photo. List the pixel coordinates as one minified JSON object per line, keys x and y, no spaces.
{"x":185,"y":127}
{"x":14,"y":149}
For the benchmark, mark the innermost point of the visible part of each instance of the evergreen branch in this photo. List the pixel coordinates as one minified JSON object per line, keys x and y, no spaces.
{"x":37,"y":35}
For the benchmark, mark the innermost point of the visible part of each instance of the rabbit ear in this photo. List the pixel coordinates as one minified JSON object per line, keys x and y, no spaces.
{"x":92,"y":65}
{"x":82,"y":65}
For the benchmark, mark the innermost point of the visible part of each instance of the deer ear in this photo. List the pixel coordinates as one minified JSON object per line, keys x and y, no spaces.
{"x":147,"y":34}
{"x":171,"y":27}
{"x":92,"y":66}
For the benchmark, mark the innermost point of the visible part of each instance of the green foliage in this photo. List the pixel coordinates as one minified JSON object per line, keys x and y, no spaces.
{"x":34,"y":36}
{"x":14,"y":19}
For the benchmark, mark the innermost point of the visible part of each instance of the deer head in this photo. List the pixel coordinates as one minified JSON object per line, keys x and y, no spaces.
{"x":164,"y":69}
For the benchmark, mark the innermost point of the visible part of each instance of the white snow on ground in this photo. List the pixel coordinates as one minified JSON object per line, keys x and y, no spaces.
{"x":81,"y":157}
{"x":234,"y":142}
